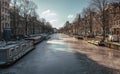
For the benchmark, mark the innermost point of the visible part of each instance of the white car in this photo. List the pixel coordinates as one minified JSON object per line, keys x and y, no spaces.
{"x":113,"y":38}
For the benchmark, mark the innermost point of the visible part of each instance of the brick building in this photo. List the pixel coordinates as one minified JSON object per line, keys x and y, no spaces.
{"x":114,"y":15}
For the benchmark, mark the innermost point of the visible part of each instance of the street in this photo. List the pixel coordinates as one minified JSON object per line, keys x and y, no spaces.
{"x":66,"y":55}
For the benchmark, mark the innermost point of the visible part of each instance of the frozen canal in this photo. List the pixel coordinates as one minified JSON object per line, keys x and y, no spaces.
{"x":65,"y":55}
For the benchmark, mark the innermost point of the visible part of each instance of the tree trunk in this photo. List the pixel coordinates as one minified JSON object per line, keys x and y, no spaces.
{"x":104,"y":26}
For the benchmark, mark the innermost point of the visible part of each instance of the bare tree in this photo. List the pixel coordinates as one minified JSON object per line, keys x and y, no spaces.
{"x":90,"y":19}
{"x":66,"y":26}
{"x":33,"y":14}
{"x":90,"y":14}
{"x":15,"y":13}
{"x":77,"y":24}
{"x":101,"y":6}
{"x":43,"y":24}
{"x":27,"y":8}
{"x":48,"y":27}
{"x":85,"y":20}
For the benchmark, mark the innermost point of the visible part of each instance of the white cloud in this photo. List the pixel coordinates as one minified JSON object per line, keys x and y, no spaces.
{"x":48,"y":13}
{"x":53,"y":21}
{"x":51,"y":17}
{"x":45,"y":12}
{"x":70,"y":16}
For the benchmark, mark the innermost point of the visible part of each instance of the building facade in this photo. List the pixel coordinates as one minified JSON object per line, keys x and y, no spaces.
{"x":4,"y":16}
{"x":114,"y":11}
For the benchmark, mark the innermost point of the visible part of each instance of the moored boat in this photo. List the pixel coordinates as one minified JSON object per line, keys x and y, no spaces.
{"x":13,"y":51}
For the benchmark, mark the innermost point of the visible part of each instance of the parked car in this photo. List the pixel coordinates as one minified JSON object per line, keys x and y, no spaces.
{"x":79,"y":36}
{"x":90,"y":35}
{"x":114,"y":38}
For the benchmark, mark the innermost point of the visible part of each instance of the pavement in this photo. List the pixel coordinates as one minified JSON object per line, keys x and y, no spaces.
{"x":66,"y":55}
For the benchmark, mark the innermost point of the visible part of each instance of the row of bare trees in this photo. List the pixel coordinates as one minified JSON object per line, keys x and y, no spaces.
{"x":27,"y":10}
{"x":95,"y":13}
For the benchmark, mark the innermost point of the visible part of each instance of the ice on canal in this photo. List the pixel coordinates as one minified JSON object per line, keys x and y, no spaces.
{"x":63,"y":55}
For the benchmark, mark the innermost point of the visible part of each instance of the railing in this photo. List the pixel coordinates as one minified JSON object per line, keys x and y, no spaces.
{"x":113,"y":45}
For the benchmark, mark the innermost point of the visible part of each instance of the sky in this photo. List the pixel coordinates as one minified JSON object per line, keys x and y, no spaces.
{"x":57,"y":12}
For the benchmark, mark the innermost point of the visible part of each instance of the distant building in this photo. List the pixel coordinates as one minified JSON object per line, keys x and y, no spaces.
{"x":114,"y":15}
{"x":4,"y":16}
